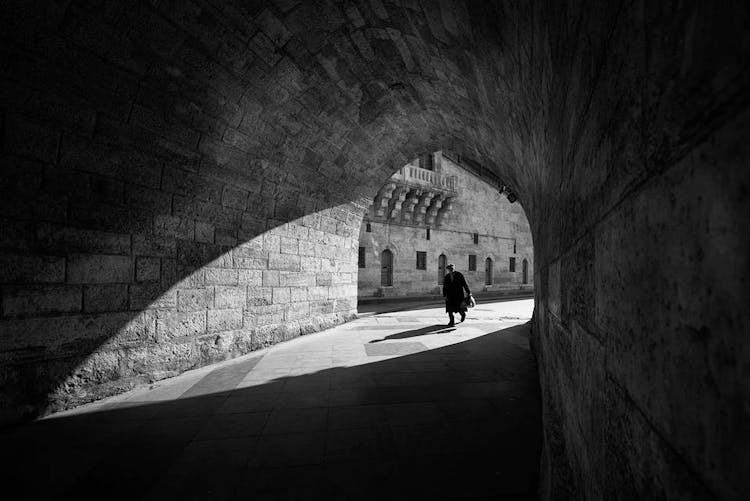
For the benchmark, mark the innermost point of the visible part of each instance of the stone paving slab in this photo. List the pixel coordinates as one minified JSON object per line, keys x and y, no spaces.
{"x":392,"y":406}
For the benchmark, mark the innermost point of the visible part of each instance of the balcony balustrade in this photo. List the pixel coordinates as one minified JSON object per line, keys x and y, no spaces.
{"x":414,"y":196}
{"x":425,"y":178}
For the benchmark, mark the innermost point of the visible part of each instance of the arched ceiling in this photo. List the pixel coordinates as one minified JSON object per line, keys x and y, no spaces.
{"x":313,"y":99}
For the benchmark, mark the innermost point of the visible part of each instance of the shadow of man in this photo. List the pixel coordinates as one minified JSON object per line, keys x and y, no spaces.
{"x":423,"y":331}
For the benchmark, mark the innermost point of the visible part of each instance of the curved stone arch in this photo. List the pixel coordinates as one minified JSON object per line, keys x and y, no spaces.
{"x":395,"y":249}
{"x":446,"y":253}
{"x":218,"y":150}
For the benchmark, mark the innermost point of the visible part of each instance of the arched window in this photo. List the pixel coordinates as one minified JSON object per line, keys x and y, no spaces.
{"x":386,"y":271}
{"x":488,"y":271}
{"x":442,"y":261}
{"x":525,"y":266}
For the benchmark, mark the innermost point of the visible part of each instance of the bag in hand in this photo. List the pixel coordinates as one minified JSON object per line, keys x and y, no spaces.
{"x":468,"y":302}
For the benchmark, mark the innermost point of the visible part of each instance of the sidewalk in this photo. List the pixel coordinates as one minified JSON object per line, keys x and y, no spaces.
{"x":370,"y":305}
{"x":391,"y":406}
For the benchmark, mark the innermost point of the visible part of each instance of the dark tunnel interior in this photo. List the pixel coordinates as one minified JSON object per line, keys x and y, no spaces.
{"x":183,"y":183}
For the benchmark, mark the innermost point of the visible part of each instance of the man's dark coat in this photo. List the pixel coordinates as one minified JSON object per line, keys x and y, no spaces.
{"x":453,"y":292}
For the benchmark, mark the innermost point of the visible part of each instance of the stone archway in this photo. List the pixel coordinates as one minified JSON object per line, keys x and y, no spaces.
{"x":175,"y":180}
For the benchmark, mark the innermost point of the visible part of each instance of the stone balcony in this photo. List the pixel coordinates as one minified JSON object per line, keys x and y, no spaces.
{"x":414,"y":196}
{"x":428,"y":179}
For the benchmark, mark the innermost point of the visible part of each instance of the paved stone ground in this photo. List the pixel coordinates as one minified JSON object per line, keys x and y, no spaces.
{"x":390,"y":406}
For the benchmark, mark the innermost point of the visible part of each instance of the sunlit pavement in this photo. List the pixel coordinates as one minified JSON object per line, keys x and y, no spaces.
{"x":389,"y":406}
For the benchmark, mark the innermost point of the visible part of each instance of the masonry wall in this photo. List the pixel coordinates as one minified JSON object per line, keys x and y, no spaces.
{"x":478,"y":208}
{"x":177,"y":131}
{"x":138,"y":239}
{"x":642,"y":263}
{"x":646,"y":390}
{"x":144,"y":278}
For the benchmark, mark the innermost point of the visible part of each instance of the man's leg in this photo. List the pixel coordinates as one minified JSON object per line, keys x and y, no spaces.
{"x":463,"y":315}
{"x":453,"y":320}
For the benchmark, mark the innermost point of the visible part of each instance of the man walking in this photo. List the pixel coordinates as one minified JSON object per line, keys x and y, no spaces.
{"x":454,"y":286}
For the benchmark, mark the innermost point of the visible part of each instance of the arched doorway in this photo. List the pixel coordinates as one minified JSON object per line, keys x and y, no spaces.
{"x":386,"y":270}
{"x":488,"y":271}
{"x":525,"y":266}
{"x":442,"y":261}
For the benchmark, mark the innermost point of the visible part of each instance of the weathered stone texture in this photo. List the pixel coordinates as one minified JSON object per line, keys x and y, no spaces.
{"x":476,"y":207}
{"x":96,"y":268}
{"x":109,"y":297}
{"x":133,"y":133}
{"x":25,"y":301}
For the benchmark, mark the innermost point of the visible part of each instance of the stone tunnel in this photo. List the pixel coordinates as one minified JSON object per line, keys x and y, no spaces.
{"x":183,"y":182}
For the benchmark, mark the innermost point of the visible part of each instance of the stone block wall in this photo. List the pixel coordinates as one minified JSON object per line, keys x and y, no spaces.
{"x":477,"y":207}
{"x":137,"y":237}
{"x":480,"y":208}
{"x":93,"y":303}
{"x":660,"y":377}
{"x":641,"y":260}
{"x":178,"y":131}
{"x":405,"y":241}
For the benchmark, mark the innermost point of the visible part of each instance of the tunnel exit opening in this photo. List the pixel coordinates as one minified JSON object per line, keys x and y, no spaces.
{"x":185,"y":185}
{"x":442,"y":208}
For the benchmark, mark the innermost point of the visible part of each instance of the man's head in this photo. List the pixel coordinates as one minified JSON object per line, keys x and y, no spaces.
{"x":450,"y":267}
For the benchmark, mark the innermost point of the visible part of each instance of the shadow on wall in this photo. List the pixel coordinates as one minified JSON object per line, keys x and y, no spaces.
{"x":99,"y":296}
{"x":133,"y":186}
{"x":121,"y":309}
{"x":104,"y":296}
{"x":450,"y":422}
